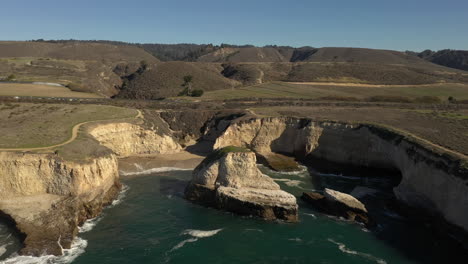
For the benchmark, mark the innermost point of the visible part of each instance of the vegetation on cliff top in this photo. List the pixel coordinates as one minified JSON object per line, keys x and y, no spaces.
{"x":40,"y":125}
{"x":219,"y":153}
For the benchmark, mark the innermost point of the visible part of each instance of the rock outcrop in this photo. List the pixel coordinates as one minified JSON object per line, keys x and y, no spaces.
{"x":229,"y":179}
{"x":338,"y":204}
{"x":433,"y":179}
{"x":127,"y":139}
{"x":47,"y":198}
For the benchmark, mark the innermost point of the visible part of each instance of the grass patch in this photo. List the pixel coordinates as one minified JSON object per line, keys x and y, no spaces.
{"x":433,"y":93}
{"x":40,"y":125}
{"x":219,"y":153}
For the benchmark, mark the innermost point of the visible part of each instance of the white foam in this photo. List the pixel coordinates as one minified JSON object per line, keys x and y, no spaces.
{"x":312,"y":215}
{"x":301,"y":172}
{"x":296,"y":239}
{"x":253,"y":229}
{"x":289,"y":182}
{"x":120,"y":197}
{"x":69,"y":255}
{"x":153,"y":170}
{"x":3,"y":248}
{"x":201,"y":233}
{"x":181,"y":244}
{"x":196,"y":234}
{"x":346,"y":250}
{"x":139,"y":167}
{"x":89,"y":224}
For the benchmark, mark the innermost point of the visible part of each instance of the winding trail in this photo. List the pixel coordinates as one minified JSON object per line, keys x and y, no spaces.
{"x":75,"y":131}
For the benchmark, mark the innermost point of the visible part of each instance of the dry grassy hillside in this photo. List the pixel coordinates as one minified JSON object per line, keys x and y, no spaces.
{"x":250,"y":54}
{"x":108,"y":69}
{"x":86,"y":67}
{"x":166,"y":79}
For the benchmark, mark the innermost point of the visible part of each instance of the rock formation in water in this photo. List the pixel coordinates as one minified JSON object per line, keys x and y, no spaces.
{"x":229,"y":179}
{"x":338,"y":204}
{"x":433,"y":179}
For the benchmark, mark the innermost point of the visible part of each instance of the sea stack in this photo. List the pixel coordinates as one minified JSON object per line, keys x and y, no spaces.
{"x":228,"y":179}
{"x":338,"y":204}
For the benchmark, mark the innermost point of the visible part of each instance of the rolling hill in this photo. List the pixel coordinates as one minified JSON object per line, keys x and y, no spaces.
{"x":85,"y":67}
{"x":115,"y":69}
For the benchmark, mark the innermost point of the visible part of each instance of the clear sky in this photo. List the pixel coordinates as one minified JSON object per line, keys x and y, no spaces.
{"x":386,"y":24}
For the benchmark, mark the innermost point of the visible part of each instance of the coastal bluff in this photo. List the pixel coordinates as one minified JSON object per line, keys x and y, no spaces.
{"x":228,"y":179}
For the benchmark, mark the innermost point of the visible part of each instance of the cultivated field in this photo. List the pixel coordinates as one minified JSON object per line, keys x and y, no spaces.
{"x":41,"y":90}
{"x":343,"y":91}
{"x":42,"y":125}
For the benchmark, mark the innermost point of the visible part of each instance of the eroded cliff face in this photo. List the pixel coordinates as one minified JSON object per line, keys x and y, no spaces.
{"x":48,"y":198}
{"x":127,"y":139}
{"x":432,"y":178}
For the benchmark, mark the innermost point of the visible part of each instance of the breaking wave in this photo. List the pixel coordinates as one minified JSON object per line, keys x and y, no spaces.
{"x":346,"y":250}
{"x":69,"y":255}
{"x":153,"y":170}
{"x":196,"y":234}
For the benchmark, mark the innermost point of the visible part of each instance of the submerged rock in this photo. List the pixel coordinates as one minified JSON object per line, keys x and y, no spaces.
{"x":338,"y":204}
{"x":229,"y":179}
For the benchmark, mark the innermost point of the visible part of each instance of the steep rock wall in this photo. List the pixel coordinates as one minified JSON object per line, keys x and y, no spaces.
{"x":48,"y":198}
{"x":127,"y":139}
{"x":432,"y":178}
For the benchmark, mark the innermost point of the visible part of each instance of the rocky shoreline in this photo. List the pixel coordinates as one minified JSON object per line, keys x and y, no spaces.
{"x":48,"y":197}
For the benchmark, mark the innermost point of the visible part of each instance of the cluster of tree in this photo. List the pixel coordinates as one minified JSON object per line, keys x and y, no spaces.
{"x":188,"y":91}
{"x":457,"y":59}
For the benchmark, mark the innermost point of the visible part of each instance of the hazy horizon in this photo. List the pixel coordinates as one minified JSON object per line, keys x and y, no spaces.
{"x":396,"y":25}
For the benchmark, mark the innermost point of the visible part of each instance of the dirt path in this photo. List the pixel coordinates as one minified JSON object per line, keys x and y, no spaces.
{"x":75,"y":131}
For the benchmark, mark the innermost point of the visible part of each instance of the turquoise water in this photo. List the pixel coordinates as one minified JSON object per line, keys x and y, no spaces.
{"x":154,"y":224}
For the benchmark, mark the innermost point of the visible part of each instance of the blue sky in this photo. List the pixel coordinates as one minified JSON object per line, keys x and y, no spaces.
{"x":390,"y":24}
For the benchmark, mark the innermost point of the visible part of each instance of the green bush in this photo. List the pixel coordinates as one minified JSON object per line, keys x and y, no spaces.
{"x":11,"y":77}
{"x":197,"y":93}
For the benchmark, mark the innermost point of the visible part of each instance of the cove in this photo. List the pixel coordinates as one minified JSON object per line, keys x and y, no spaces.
{"x":155,"y":224}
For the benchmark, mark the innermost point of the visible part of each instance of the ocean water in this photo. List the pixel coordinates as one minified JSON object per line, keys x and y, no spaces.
{"x":152,"y":223}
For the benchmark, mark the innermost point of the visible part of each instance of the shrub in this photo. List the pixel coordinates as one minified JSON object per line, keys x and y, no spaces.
{"x":389,"y":98}
{"x":11,"y":77}
{"x":452,"y":99}
{"x":338,"y":98}
{"x":197,"y":93}
{"x":428,"y":100}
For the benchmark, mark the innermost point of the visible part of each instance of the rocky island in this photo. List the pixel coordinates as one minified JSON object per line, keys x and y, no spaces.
{"x":229,"y":179}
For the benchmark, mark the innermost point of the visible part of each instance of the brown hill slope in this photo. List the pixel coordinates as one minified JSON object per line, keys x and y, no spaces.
{"x":74,"y":51}
{"x":166,"y":79}
{"x":249,"y":54}
{"x":84,"y":66}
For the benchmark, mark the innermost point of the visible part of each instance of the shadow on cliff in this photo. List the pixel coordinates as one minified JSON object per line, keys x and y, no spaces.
{"x":202,"y":148}
{"x":410,"y":234}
